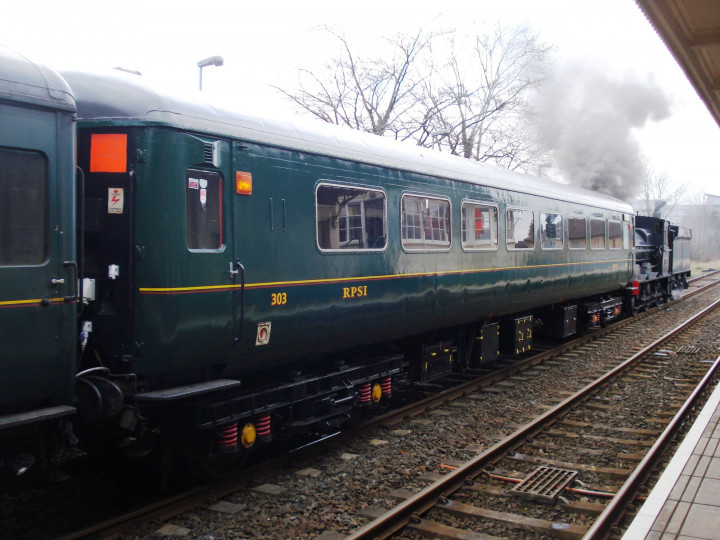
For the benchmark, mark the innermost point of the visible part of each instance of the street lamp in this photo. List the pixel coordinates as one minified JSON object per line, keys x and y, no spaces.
{"x":211,"y":61}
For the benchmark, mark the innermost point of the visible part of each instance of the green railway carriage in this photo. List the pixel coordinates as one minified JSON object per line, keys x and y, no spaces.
{"x":38,"y":273}
{"x":234,"y":264}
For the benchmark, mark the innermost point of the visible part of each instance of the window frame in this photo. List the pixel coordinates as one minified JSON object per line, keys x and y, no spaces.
{"x":363,"y":222}
{"x":620,"y":236}
{"x":507,"y":241}
{"x":221,"y":214}
{"x":41,"y":256}
{"x":605,"y":241}
{"x":476,"y":202}
{"x":542,"y":231}
{"x":448,"y":216}
{"x":585,"y":228}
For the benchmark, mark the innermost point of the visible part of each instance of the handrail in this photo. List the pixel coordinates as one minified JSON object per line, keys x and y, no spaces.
{"x":240,"y":267}
{"x":75,"y":279}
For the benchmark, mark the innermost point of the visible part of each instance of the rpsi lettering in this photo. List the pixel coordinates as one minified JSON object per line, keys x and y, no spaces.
{"x":355,"y":292}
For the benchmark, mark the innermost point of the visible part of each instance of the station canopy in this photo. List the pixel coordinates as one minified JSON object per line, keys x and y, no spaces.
{"x":691,"y":31}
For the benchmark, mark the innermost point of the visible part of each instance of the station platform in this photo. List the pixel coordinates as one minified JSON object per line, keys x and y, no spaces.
{"x":685,"y":503}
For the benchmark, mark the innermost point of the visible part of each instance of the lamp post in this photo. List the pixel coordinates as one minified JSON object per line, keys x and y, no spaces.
{"x":211,"y":61}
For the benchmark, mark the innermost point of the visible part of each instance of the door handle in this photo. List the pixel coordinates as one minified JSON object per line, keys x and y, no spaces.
{"x":74,"y":281}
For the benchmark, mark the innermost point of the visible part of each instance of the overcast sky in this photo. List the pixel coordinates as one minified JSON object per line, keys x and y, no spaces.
{"x":266,"y":43}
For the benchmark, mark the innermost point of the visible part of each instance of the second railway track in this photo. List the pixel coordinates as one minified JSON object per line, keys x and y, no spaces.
{"x":554,"y":475}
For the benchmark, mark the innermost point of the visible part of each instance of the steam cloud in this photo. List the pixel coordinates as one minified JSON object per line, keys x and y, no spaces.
{"x":586,"y":120}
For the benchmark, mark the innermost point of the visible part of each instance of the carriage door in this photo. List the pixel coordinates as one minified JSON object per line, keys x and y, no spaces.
{"x":37,"y":268}
{"x":211,"y":272}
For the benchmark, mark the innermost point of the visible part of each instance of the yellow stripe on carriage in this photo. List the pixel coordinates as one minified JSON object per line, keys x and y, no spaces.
{"x":330,"y":281}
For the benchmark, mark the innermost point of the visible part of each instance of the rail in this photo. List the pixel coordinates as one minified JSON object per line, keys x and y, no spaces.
{"x":397,"y":518}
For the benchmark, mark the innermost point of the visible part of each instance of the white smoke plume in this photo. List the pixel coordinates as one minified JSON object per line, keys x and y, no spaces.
{"x":586,"y":120}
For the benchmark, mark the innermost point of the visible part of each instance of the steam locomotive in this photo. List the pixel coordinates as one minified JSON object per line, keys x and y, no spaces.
{"x":173,"y":271}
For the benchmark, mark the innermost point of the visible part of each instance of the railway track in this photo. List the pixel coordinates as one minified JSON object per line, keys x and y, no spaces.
{"x":558,"y":465}
{"x":163,"y":510}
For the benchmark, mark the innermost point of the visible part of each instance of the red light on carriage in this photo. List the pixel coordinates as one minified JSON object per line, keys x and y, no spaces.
{"x":243,"y":183}
{"x":635,"y":290}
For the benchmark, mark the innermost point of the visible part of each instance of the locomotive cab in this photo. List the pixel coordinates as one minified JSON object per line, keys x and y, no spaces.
{"x":652,"y":251}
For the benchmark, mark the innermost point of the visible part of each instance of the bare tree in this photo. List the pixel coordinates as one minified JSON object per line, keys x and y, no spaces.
{"x":367,"y":95}
{"x":659,"y":194}
{"x":484,"y":96}
{"x":471,"y":103}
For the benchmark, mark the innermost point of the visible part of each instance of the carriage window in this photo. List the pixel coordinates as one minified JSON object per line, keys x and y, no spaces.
{"x":425,"y":223}
{"x":597,"y":233}
{"x":520,"y":229}
{"x":577,"y":233}
{"x":614,"y":234}
{"x":350,"y":218}
{"x":203,"y":210}
{"x":23,"y":208}
{"x":479,"y":226}
{"x":551,"y":230}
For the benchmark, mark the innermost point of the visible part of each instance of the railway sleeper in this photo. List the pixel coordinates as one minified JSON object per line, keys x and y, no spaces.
{"x":606,"y":471}
{"x":575,"y":507}
{"x":541,"y":526}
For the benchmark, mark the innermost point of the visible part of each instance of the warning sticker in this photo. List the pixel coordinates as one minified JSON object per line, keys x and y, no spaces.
{"x":263,"y":334}
{"x":116,"y":200}
{"x":192,"y":183}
